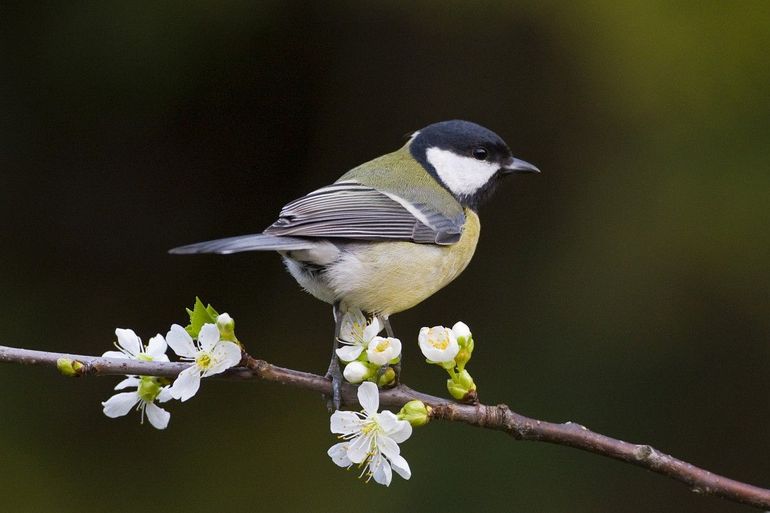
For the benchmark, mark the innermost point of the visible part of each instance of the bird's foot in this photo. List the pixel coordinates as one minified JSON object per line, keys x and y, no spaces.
{"x":334,"y":373}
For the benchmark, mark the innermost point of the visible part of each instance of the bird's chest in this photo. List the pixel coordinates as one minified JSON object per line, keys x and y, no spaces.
{"x":390,"y":277}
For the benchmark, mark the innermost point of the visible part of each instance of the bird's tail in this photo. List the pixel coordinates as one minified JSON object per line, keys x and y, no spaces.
{"x":256,"y":242}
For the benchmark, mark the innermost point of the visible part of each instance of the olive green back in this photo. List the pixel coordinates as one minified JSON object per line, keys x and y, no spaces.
{"x":400,"y":174}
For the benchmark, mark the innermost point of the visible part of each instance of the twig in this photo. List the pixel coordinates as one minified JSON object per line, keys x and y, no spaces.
{"x":499,"y":417}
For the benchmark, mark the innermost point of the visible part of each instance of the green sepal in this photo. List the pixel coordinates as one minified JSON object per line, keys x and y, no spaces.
{"x":456,"y":390}
{"x":462,"y":358}
{"x":199,"y":316}
{"x":148,"y":389}
{"x":444,"y":365}
{"x":447,"y":365}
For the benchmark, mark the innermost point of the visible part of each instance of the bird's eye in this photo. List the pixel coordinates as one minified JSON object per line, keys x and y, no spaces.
{"x":480,"y":153}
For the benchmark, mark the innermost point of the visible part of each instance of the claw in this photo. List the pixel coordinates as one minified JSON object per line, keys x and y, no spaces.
{"x":335,"y":375}
{"x":382,"y":370}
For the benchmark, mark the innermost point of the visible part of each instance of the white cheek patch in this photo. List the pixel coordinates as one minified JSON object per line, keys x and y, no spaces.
{"x":463,"y":175}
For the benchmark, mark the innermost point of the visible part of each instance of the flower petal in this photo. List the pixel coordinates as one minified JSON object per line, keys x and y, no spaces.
{"x":186,"y":384}
{"x":164,"y":395}
{"x":114,"y":354}
{"x":380,"y":469}
{"x":225,"y":354}
{"x":157,"y":347}
{"x":349,"y":353}
{"x":369,"y":398}
{"x":352,"y":326}
{"x":395,"y":344}
{"x":401,"y":467}
{"x":120,"y":404}
{"x":387,"y":446}
{"x":339,"y":454}
{"x":208,"y":337}
{"x":393,"y":427}
{"x":181,"y":342}
{"x":128,"y":340}
{"x":355,"y":372}
{"x":130,"y":381}
{"x":344,"y":422}
{"x":460,"y":329}
{"x":157,"y":416}
{"x":373,"y":329}
{"x":358,"y":448}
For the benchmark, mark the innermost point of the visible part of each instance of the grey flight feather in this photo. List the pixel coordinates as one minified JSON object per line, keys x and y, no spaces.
{"x":255,"y":242}
{"x":349,"y":210}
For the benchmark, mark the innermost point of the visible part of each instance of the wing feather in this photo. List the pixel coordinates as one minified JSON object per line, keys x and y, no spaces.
{"x":351,"y":210}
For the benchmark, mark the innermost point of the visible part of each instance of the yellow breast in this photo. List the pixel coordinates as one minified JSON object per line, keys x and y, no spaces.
{"x":389,"y":277}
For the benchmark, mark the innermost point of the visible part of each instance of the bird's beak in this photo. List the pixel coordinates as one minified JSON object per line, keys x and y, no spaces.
{"x":519,"y":166}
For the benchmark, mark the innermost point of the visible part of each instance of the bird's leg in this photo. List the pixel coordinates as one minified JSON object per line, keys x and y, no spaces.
{"x":334,"y":373}
{"x":396,"y":367}
{"x":388,"y":327}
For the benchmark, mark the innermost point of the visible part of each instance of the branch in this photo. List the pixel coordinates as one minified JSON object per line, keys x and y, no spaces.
{"x":499,"y":417}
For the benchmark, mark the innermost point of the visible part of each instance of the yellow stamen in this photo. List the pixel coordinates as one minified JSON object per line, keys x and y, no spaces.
{"x":203,"y":360}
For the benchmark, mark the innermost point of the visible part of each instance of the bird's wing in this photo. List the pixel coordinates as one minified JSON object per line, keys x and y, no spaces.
{"x":350,"y":210}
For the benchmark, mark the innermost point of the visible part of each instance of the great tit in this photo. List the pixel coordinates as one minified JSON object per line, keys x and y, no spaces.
{"x":392,"y":231}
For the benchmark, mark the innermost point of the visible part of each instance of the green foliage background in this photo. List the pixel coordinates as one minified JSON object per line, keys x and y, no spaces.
{"x":625,"y":288}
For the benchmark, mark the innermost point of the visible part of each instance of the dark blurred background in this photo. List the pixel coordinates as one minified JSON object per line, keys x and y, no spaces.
{"x":625,"y":288}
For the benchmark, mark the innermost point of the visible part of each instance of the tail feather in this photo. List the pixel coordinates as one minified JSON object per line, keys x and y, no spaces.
{"x":255,"y":242}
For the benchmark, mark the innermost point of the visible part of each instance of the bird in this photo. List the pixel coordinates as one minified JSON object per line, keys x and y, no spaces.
{"x":391,"y":232}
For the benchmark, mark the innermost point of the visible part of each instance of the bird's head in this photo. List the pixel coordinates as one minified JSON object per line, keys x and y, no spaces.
{"x":466,"y":158}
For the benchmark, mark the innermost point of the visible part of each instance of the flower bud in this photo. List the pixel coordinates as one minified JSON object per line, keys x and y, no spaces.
{"x":462,"y":332}
{"x":416,"y":413}
{"x":455,"y":390}
{"x":461,"y":386}
{"x":387,"y":377}
{"x":70,"y":368}
{"x":226,"y":326}
{"x":356,"y":372}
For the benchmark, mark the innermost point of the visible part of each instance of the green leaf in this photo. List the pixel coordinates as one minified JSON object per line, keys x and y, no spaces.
{"x":199,"y":316}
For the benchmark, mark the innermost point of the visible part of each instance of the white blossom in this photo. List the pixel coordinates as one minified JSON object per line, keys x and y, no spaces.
{"x":148,"y":390}
{"x":130,"y":347}
{"x":370,"y":439}
{"x":438,"y":344}
{"x":209,"y":356}
{"x":382,"y":350}
{"x":356,"y":334}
